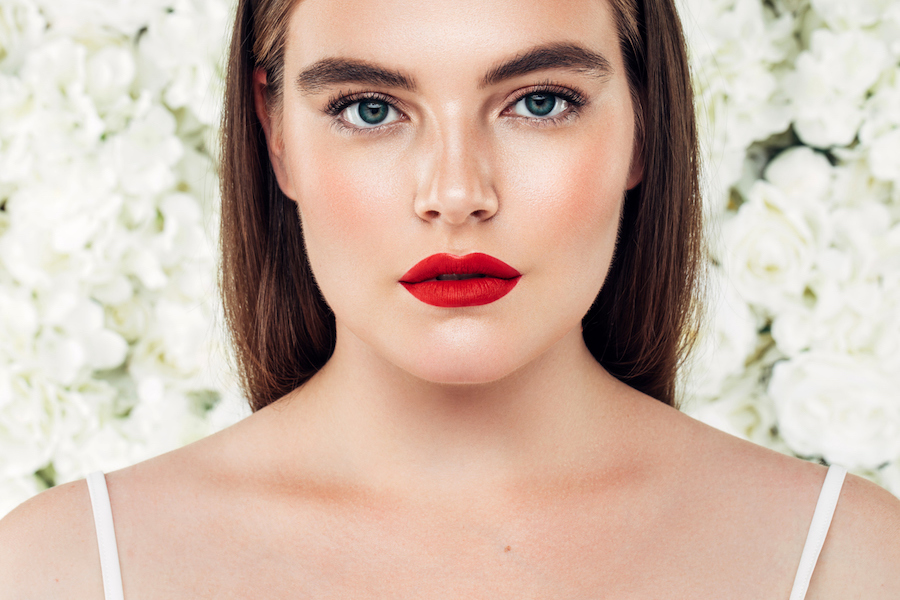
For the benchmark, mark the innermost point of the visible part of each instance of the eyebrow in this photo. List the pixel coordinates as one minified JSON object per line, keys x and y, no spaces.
{"x":329,"y":72}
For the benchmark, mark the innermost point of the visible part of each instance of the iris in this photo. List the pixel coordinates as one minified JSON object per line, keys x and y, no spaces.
{"x":373,"y":112}
{"x":540,"y":104}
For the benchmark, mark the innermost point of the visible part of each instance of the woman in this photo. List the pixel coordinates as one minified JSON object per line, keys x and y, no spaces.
{"x":462,"y":367}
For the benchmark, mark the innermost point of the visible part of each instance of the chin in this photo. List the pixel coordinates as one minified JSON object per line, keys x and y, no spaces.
{"x":459,"y":373}
{"x":465,"y":365}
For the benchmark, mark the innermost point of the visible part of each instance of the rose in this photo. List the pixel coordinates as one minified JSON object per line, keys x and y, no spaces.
{"x":801,"y":173}
{"x":741,"y":408}
{"x":840,"y":14}
{"x":727,"y":337}
{"x":839,"y":406}
{"x":830,"y":82}
{"x":21,"y":27}
{"x":29,"y":410}
{"x":771,"y":248}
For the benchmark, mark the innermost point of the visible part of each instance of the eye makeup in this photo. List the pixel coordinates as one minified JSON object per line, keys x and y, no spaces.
{"x":572,"y":100}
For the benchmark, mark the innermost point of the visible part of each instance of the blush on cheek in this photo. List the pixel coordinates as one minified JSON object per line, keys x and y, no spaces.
{"x":348,"y":197}
{"x":566,"y":188}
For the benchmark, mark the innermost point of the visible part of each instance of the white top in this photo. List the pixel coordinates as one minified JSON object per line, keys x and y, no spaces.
{"x":815,"y":539}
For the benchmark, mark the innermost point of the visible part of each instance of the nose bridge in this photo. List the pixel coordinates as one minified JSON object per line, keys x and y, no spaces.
{"x":456,"y":185}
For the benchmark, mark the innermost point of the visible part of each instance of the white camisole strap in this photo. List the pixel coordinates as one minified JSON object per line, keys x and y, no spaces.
{"x":818,"y":529}
{"x":815,"y":539}
{"x":106,"y":537}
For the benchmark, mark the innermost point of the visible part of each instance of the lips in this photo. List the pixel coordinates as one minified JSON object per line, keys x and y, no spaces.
{"x":455,"y":281}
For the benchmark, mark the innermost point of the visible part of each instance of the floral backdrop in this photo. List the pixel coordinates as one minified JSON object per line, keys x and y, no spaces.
{"x":111,"y":343}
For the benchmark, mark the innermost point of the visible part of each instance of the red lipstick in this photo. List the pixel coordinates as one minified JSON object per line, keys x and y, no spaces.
{"x":453,"y":281}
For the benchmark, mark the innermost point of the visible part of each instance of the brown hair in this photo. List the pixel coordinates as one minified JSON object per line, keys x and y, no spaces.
{"x":281,"y":327}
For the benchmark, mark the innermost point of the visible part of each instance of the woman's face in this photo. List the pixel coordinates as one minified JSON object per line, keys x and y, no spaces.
{"x":410,"y":129}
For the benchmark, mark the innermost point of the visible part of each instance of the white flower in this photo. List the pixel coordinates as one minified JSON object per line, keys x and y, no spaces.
{"x":885,"y":156}
{"x":180,"y":55}
{"x":21,"y":27}
{"x":854,"y":183}
{"x":838,"y":406}
{"x":771,"y":248}
{"x":879,"y":135}
{"x":727,"y":338}
{"x":29,"y":417}
{"x":841,"y":14}
{"x":829,"y":86}
{"x":93,"y":19}
{"x":146,"y":152}
{"x":801,"y":173}
{"x":736,"y":48}
{"x":741,"y":409}
{"x":793,"y":328}
{"x":110,"y":72}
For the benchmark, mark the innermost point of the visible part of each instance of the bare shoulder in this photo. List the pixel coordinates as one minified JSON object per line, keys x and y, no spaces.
{"x":861,"y":555}
{"x":48,"y":547}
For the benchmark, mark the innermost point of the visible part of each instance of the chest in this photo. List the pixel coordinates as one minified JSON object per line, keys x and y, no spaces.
{"x":578,"y":550}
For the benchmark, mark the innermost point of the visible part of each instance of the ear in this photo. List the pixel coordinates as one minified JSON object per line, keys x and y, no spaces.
{"x":636,"y":172}
{"x":272,"y":129}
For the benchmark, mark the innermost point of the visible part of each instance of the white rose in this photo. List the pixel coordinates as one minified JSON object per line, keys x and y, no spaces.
{"x":727,"y":338}
{"x":95,"y":19}
{"x":28,"y":422}
{"x":144,"y":155}
{"x":771,"y":248}
{"x":130,"y":318}
{"x":110,"y":72}
{"x":853,"y":182}
{"x":838,"y":406}
{"x":801,"y":173}
{"x":829,"y":86}
{"x":848,"y":318}
{"x":144,"y":264}
{"x":884,"y":156}
{"x":18,"y":320}
{"x":21,"y":28}
{"x":793,"y":328}
{"x":741,"y":408}
{"x":840,"y":14}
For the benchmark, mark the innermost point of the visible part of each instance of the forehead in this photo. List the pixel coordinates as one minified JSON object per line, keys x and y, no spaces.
{"x":424,"y":36}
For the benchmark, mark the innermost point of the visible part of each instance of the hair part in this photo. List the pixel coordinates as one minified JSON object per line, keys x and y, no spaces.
{"x":283,"y":331}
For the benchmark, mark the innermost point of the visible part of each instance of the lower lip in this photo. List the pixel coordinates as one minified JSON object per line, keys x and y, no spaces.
{"x":461,"y":292}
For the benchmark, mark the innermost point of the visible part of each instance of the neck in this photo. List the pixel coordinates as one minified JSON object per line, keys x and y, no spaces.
{"x":379,"y":425}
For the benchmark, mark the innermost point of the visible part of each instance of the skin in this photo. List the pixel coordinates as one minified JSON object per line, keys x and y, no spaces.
{"x":458,"y":171}
{"x":458,"y":453}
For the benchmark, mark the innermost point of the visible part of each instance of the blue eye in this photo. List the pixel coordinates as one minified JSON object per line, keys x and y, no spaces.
{"x":541,"y":105}
{"x":370,"y":112}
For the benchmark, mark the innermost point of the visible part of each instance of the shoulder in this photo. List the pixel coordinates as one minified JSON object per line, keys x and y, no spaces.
{"x":862,"y":550}
{"x":48,"y":547}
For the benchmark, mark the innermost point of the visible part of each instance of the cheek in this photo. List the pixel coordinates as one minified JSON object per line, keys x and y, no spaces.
{"x":569,"y":193}
{"x":348,"y":201}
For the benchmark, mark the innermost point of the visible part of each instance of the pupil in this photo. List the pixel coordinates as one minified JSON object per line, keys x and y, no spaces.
{"x":373,"y":112}
{"x":540,"y":104}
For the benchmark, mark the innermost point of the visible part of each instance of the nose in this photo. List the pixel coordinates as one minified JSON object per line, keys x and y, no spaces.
{"x":455,"y":185}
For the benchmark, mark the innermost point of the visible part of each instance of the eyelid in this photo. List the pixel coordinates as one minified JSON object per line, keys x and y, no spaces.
{"x":573,"y":97}
{"x":341,"y":101}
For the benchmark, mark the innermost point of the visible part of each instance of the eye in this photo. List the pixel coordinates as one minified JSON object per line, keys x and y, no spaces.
{"x":540,"y":105}
{"x":369,"y":113}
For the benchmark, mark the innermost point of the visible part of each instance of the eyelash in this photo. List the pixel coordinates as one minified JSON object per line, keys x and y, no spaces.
{"x":338,"y":103}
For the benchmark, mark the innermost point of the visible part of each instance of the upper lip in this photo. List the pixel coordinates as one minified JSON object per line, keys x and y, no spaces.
{"x":448,"y":264}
